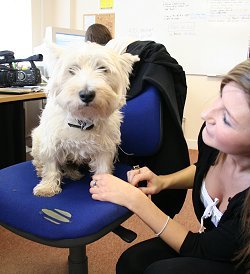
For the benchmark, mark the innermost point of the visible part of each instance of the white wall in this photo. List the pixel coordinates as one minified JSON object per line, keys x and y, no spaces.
{"x":202,"y":90}
{"x":16,"y":30}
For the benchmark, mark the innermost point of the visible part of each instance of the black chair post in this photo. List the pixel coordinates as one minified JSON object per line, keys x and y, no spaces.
{"x":78,"y":260}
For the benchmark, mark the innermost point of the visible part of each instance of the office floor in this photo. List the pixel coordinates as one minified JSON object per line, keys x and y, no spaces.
{"x":21,"y":256}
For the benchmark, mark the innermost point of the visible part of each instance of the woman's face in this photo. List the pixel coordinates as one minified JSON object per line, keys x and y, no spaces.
{"x":228,"y":122}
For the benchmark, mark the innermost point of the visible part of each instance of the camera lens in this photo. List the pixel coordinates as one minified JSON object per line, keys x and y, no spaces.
{"x":20,"y":75}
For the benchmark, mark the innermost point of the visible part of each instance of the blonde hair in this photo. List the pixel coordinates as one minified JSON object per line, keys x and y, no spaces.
{"x":240,"y":74}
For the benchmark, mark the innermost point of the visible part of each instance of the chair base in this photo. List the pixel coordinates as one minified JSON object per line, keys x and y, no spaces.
{"x":78,"y":260}
{"x":125,"y":234}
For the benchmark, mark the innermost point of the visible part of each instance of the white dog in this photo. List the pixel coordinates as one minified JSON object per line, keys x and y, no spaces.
{"x":81,"y":121}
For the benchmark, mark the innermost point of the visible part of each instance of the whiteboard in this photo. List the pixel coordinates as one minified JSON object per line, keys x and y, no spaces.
{"x":206,"y":37}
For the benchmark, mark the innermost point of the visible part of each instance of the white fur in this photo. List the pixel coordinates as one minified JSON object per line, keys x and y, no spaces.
{"x":89,"y":68}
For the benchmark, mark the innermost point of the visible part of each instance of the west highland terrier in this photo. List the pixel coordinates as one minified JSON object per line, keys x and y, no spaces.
{"x":81,"y":120}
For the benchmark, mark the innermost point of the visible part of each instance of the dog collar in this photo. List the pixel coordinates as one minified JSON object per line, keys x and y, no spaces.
{"x":83,"y":125}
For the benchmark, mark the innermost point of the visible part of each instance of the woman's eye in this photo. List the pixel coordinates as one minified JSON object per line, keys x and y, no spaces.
{"x":225,"y":120}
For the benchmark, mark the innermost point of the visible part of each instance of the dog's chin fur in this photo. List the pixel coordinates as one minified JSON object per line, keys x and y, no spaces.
{"x":55,"y":144}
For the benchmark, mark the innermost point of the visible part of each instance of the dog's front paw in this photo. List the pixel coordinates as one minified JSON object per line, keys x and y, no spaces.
{"x":46,"y":190}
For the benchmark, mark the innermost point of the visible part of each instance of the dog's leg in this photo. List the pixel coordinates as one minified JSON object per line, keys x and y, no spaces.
{"x":102,"y":163}
{"x":38,"y":166}
{"x":35,"y":153}
{"x":51,"y":181}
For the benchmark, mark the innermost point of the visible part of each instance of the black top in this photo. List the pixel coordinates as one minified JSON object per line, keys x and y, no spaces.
{"x":216,"y":243}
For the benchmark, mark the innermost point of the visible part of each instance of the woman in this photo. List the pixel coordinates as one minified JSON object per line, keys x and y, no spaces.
{"x":220,"y":181}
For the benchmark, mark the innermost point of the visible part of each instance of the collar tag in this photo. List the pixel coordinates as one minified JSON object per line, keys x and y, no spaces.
{"x":83,"y":125}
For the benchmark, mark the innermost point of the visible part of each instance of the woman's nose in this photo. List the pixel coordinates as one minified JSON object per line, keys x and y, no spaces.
{"x":209,"y":114}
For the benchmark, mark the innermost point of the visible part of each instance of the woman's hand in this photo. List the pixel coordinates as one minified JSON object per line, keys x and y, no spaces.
{"x":106,"y":187}
{"x":154,"y":183}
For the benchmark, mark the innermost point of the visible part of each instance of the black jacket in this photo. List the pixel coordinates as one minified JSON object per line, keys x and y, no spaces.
{"x":156,"y":67}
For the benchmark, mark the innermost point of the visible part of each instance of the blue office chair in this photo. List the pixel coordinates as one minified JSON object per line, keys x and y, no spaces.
{"x":72,"y":219}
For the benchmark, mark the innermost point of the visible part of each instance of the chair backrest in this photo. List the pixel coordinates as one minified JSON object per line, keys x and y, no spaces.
{"x":141,"y":130}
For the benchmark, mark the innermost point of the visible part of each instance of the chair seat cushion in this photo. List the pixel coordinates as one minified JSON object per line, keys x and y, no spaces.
{"x":68,"y":215}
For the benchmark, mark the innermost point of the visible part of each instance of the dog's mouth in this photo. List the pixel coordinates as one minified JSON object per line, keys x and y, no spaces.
{"x":83,"y":106}
{"x":85,"y":110}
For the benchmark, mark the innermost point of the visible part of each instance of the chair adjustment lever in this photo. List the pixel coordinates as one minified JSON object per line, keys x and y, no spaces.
{"x":126,"y":234}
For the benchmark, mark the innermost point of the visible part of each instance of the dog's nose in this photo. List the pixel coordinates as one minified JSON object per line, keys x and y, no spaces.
{"x":87,"y":97}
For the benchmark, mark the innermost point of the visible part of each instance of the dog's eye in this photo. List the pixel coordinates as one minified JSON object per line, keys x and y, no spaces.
{"x":72,"y":70}
{"x":103,"y":68}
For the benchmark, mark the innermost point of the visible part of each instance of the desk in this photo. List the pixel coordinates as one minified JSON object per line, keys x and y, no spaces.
{"x":4,"y":98}
{"x":12,"y":124}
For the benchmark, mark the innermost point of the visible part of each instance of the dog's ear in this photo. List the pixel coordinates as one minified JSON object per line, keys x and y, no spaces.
{"x":128,"y":60}
{"x":51,"y":54}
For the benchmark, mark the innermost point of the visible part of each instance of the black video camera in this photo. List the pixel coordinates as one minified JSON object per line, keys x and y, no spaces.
{"x":12,"y":76}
